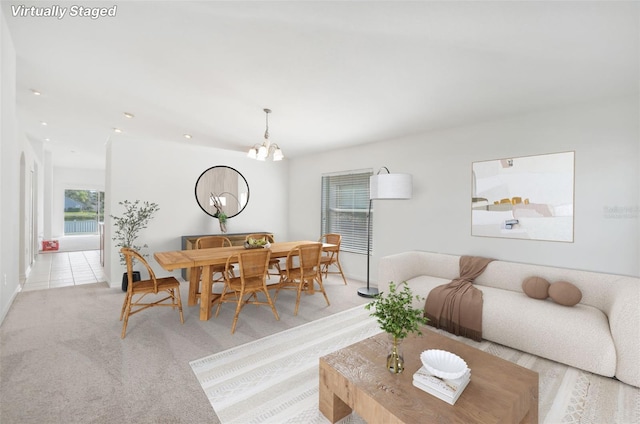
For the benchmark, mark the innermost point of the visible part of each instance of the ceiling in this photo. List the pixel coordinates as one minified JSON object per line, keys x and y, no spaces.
{"x":334,"y":74}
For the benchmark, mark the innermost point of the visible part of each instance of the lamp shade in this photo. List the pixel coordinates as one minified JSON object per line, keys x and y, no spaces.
{"x":277,"y":154}
{"x":262,"y":152}
{"x":390,"y":186}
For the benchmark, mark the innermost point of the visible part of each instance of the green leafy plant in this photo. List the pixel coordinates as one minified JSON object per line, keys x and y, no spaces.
{"x":136,"y":217}
{"x":222,"y":217}
{"x":394,"y":312}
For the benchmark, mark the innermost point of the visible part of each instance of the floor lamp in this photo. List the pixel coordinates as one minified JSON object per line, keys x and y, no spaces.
{"x":383,"y":186}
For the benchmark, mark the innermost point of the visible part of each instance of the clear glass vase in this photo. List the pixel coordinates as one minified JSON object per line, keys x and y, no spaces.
{"x":395,"y":360}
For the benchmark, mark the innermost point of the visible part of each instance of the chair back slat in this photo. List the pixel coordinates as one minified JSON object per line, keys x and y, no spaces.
{"x":332,"y":238}
{"x":208,"y":242}
{"x":309,"y":257}
{"x":254,"y":263}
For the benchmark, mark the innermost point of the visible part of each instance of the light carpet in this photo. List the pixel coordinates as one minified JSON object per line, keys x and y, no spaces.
{"x":275,"y":379}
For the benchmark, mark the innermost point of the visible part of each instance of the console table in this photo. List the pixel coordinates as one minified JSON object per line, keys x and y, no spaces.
{"x":237,"y":239}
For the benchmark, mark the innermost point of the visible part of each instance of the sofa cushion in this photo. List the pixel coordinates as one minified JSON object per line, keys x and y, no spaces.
{"x":565,"y":293}
{"x":536,"y":287}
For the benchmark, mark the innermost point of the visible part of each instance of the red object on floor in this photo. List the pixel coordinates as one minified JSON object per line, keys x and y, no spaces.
{"x":48,"y":245}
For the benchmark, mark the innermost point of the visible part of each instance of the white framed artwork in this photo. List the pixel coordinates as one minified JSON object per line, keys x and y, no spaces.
{"x":528,"y":197}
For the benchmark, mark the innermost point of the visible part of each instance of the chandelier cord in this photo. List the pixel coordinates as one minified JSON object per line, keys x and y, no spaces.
{"x":266,"y":132}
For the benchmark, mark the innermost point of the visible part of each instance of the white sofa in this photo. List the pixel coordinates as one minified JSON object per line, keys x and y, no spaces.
{"x":601,"y":334}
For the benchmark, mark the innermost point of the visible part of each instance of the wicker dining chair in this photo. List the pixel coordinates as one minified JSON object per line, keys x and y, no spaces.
{"x":302,"y":272}
{"x":253,"y":265}
{"x":139,"y":290}
{"x":330,"y":255}
{"x":208,"y":242}
{"x":274,"y":263}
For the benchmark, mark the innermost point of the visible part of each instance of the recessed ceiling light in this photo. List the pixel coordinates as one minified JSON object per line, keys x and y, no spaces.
{"x":43,"y":123}
{"x":47,"y":139}
{"x":187,"y":136}
{"x":129,"y":115}
{"x":118,"y":130}
{"x":35,"y":92}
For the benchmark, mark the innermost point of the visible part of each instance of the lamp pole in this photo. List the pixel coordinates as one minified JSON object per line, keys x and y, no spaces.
{"x":368,"y":291}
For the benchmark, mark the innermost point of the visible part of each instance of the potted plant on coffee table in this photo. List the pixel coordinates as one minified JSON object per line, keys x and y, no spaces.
{"x":397,"y":317}
{"x":135,"y":218}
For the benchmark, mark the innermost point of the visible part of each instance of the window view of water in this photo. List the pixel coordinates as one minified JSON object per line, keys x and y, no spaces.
{"x":83,"y":210}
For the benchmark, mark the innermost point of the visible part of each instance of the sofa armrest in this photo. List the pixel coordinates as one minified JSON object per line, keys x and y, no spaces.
{"x":624,"y":321}
{"x":407,"y":265}
{"x":397,"y":268}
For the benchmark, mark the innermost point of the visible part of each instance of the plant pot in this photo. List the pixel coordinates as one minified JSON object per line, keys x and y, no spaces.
{"x":125,"y":279}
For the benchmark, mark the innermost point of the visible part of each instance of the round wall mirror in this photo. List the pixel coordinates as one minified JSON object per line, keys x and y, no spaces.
{"x":222,"y":188}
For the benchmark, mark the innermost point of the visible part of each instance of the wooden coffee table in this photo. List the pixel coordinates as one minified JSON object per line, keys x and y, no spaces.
{"x":356,"y":379}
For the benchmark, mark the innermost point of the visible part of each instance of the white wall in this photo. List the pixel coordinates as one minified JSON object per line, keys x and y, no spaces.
{"x":166,"y":173}
{"x":20,"y":163}
{"x":438,"y":217}
{"x":9,"y":165}
{"x":71,"y":179}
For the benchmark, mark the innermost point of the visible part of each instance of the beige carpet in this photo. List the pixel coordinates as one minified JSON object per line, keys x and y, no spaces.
{"x":62,"y":359}
{"x":275,"y":379}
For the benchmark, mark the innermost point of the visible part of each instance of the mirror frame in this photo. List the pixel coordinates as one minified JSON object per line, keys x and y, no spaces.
{"x":201,"y":180}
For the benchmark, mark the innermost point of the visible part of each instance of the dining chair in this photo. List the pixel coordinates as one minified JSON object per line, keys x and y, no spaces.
{"x":253,"y":265}
{"x":139,"y":290}
{"x":302,"y":271}
{"x":330,"y":255}
{"x":208,"y":242}
{"x":274,"y":263}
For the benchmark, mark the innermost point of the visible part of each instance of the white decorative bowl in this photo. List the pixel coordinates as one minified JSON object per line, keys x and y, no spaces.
{"x":443,"y":364}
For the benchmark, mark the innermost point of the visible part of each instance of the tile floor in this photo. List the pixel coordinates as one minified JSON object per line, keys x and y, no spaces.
{"x":60,"y":269}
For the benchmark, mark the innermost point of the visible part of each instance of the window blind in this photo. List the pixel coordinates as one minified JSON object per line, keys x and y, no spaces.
{"x":345,"y":204}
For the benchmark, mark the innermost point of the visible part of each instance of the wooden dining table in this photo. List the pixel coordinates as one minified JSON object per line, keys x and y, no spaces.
{"x":207,"y":258}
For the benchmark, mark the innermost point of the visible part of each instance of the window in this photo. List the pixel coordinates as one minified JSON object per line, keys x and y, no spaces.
{"x":83,"y":210}
{"x":345,"y":203}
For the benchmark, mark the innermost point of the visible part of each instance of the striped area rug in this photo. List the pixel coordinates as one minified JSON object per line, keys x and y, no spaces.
{"x":275,"y":379}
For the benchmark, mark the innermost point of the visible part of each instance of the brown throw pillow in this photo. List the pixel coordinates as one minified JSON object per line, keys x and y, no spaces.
{"x":536,"y":287}
{"x":565,"y":293}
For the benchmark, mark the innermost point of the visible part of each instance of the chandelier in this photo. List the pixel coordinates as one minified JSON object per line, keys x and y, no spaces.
{"x":266,"y":149}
